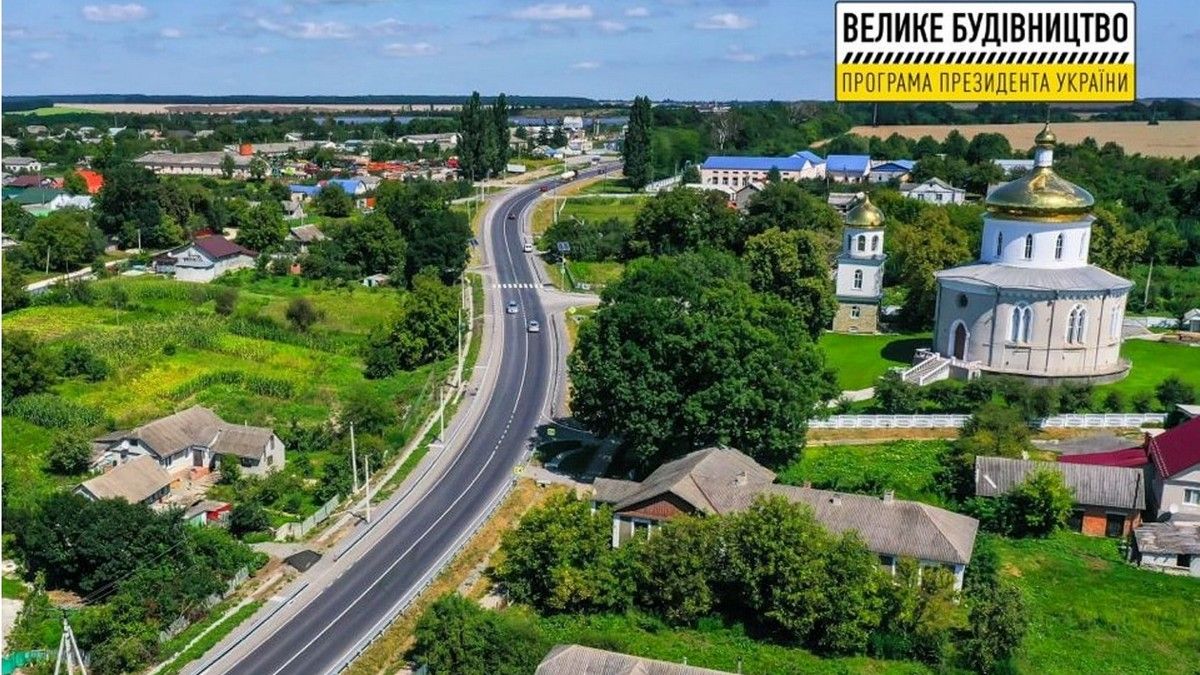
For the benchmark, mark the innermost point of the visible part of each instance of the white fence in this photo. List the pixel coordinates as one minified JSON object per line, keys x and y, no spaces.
{"x":1097,"y":421}
{"x":298,"y":530}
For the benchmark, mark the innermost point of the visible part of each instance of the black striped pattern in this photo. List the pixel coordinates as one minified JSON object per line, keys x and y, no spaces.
{"x":986,"y":57}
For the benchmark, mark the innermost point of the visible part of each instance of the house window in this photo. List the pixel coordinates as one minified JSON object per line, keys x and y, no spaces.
{"x":999,"y":243}
{"x":1191,"y":496}
{"x":862,"y":242}
{"x":1077,"y":325}
{"x":1075,"y":521}
{"x":1114,"y":525}
{"x":1029,"y":247}
{"x":1058,"y":246}
{"x":849,"y":243}
{"x":1183,"y":560}
{"x":887,"y":560}
{"x":858,"y":279}
{"x":855,"y":311}
{"x":875,"y":243}
{"x":641,"y":528}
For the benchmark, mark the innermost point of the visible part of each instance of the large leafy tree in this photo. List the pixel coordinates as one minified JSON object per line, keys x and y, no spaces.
{"x":333,"y":201}
{"x":997,"y":622}
{"x":473,"y":145}
{"x":787,"y":206}
{"x":930,"y":244}
{"x":439,"y":240}
{"x":636,"y":150}
{"x":679,"y":572}
{"x":27,"y":367}
{"x":128,"y":202}
{"x":1113,"y":245}
{"x":17,"y":220}
{"x":63,"y":239}
{"x":499,"y":132}
{"x":370,"y":245}
{"x":264,"y":229}
{"x":425,"y":330}
{"x":456,"y":635}
{"x":681,"y":355}
{"x":685,"y":220}
{"x":795,"y":266}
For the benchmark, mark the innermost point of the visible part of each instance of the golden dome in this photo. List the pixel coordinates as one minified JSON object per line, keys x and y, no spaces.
{"x":865,"y":214}
{"x":1041,"y":194}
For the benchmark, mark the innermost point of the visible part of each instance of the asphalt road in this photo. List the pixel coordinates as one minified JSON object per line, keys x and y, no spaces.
{"x":321,"y":637}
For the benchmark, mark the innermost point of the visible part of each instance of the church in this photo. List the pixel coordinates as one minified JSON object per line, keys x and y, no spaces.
{"x":1032,"y":306}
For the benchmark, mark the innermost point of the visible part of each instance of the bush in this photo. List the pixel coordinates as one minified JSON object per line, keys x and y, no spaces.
{"x":70,"y":454}
{"x":1173,"y":391}
{"x":225,"y":301}
{"x":302,"y":314}
{"x":1035,"y":508}
{"x":247,"y":517}
{"x":79,"y":360}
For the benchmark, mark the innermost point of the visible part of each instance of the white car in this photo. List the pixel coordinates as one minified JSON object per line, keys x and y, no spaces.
{"x":512,"y":307}
{"x":534,"y":327}
{"x":528,"y":248}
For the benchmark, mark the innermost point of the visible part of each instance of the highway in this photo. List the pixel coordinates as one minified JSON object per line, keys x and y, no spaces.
{"x":328,"y":625}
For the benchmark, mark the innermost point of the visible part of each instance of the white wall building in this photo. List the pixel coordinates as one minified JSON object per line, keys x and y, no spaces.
{"x":204,"y":259}
{"x":934,"y":191}
{"x":859,"y":276}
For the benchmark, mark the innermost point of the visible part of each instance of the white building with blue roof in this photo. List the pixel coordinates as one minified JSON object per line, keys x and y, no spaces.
{"x":898,"y":170}
{"x":736,"y":172}
{"x":847,"y":168}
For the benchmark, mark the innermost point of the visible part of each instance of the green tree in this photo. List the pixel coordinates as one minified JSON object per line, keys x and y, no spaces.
{"x":65,"y":237}
{"x":258,"y":168}
{"x":473,"y":144}
{"x":227,"y":166}
{"x":264,"y":229}
{"x":439,"y":240}
{"x":17,"y":221}
{"x":928,"y":245}
{"x":370,"y":245}
{"x":70,"y":454}
{"x":247,"y":517}
{"x":303,"y":314}
{"x":681,"y":355}
{"x":684,"y":219}
{"x":13,"y":294}
{"x":997,"y":622}
{"x":425,"y":329}
{"x":1036,"y":507}
{"x":74,"y":184}
{"x":995,"y":430}
{"x":79,"y":360}
{"x":955,"y":144}
{"x":1113,"y":245}
{"x":499,"y":122}
{"x":456,"y":635}
{"x":1173,"y":391}
{"x":787,"y":206}
{"x":678,"y":572}
{"x":794,"y":265}
{"x":225,"y":301}
{"x":985,"y":147}
{"x":128,"y":202}
{"x":895,"y":396}
{"x":691,"y":175}
{"x":636,"y":150}
{"x":369,"y":412}
{"x":26,"y":366}
{"x":333,"y":201}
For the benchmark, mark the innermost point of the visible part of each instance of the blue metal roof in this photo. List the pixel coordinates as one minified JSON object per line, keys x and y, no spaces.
{"x":754,"y":163}
{"x":310,"y":190}
{"x":810,"y":156}
{"x":349,"y":185}
{"x":848,"y":163}
{"x":895,"y":165}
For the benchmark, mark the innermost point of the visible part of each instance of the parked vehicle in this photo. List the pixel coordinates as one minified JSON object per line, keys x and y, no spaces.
{"x":528,"y":248}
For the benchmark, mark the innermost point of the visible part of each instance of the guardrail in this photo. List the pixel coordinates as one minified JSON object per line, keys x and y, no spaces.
{"x":954,"y":421}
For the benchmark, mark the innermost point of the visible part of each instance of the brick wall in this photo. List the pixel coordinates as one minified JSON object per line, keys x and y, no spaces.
{"x":866,"y":322}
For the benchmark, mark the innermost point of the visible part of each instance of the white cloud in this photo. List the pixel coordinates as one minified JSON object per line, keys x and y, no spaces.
{"x":739,"y":55}
{"x":115,"y":13}
{"x":637,"y":12}
{"x":612,"y":26}
{"x":394,"y":27}
{"x":726,"y":21}
{"x":41,"y":56}
{"x":558,"y":11}
{"x":170,"y":33}
{"x":308,"y":30}
{"x":585,"y":65}
{"x":408,"y":50}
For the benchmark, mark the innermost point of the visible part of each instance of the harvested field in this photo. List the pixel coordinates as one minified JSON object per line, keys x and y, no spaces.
{"x":1167,"y":139}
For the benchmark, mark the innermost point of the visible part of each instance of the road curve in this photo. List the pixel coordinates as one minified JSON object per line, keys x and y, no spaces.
{"x":322,"y":636}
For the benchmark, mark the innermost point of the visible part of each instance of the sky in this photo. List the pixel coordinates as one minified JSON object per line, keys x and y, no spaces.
{"x":680,"y":49}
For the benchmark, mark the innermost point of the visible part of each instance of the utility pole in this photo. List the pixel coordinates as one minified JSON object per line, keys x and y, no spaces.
{"x":68,"y":651}
{"x":353,"y":458}
{"x":1146,"y":296}
{"x":367,"y":478}
{"x":47,"y":260}
{"x":442,"y":412}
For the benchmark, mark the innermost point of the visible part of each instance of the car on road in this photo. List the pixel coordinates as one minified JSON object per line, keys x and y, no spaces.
{"x":528,"y":248}
{"x":512,"y":215}
{"x":534,"y":327}
{"x":544,"y":188}
{"x":512,"y":307}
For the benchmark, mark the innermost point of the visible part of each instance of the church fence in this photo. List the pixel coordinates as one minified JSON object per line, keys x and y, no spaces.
{"x":1088,"y":421}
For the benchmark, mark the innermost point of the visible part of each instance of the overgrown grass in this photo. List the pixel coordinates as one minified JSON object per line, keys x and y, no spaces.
{"x":861,"y":359}
{"x":592,"y":209}
{"x":1152,"y":363}
{"x":907,"y":467}
{"x":13,"y":589}
{"x":211,"y":638}
{"x":1092,"y":612}
{"x":607,"y":186}
{"x":595,"y":274}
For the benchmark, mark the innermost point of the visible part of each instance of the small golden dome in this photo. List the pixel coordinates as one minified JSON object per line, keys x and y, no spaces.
{"x":864,"y":214}
{"x":1046,"y":136}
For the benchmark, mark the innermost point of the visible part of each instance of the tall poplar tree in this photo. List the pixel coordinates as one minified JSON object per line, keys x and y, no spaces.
{"x":471,"y":146}
{"x":500,"y":132}
{"x":636,"y":151}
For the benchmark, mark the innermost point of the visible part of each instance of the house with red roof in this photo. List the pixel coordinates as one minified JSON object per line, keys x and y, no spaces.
{"x":1172,"y":464}
{"x":204,"y":259}
{"x":94,"y":180}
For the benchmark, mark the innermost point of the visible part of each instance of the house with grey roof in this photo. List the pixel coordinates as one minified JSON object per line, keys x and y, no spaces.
{"x":192,"y":440}
{"x":304,"y":235}
{"x":1174,"y":549}
{"x":719,"y":481}
{"x":1191,"y":321}
{"x":141,"y":480}
{"x":580,"y":660}
{"x":934,"y":191}
{"x":1109,"y":500}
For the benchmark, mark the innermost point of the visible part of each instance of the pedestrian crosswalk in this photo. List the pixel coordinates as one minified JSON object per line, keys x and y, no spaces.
{"x":516,"y":285}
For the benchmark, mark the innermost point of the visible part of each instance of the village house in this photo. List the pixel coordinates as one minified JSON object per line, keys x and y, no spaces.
{"x":93,"y":179}
{"x":1167,"y":548}
{"x":934,"y":191}
{"x":21,"y":164}
{"x":889,"y":170}
{"x":719,"y":481}
{"x":444,"y":142}
{"x":292,"y":209}
{"x":141,"y":480}
{"x":1109,"y":500}
{"x":1191,"y":321}
{"x":300,"y":237}
{"x":847,"y":168}
{"x":739,"y":171}
{"x":66,"y":201}
{"x":204,"y":259}
{"x":194,"y":163}
{"x":193,"y":440}
{"x":207,"y":512}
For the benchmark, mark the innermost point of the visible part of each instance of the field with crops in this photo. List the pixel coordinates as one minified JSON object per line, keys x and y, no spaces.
{"x":1166,"y":139}
{"x":168,"y":349}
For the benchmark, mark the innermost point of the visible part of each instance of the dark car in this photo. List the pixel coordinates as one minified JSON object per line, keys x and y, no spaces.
{"x":544,"y":188}
{"x":512,"y":216}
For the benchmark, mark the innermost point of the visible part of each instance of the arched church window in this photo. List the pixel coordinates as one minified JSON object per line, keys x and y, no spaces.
{"x":1077,"y":325}
{"x":862,"y":242}
{"x":1114,"y":323}
{"x":1029,"y":247}
{"x":849,"y":242}
{"x":875,"y":243}
{"x":1083,"y":245}
{"x":1021,"y":324}
{"x":858,"y":279}
{"x":1058,"y":246}
{"x":999,"y":243}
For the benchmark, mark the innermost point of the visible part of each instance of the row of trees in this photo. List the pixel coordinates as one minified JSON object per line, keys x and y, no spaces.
{"x":483,"y":146}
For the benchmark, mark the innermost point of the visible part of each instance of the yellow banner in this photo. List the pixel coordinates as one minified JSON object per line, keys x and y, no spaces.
{"x":997,"y":83}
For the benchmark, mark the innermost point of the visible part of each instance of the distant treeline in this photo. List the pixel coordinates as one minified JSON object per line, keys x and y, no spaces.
{"x":531,"y":101}
{"x":23,"y":103}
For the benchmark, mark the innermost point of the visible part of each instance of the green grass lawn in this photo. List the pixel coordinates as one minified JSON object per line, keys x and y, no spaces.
{"x":908,"y":467}
{"x":1152,"y":363}
{"x":861,"y":359}
{"x":595,"y":274}
{"x":710,"y":646}
{"x":56,"y":110}
{"x":1093,"y":613}
{"x":607,"y":186}
{"x":13,"y":589}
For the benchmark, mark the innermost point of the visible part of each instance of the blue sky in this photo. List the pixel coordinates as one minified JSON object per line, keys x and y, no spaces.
{"x":684,"y":49}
